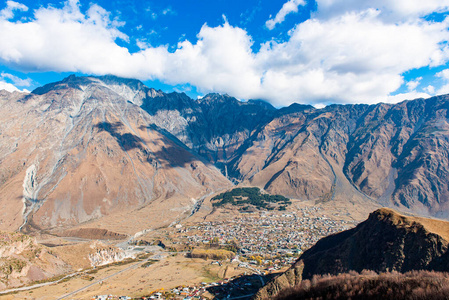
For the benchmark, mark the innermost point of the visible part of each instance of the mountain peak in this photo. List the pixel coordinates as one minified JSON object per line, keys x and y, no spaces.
{"x":71,"y":81}
{"x":76,"y":82}
{"x":130,"y":82}
{"x":388,"y":214}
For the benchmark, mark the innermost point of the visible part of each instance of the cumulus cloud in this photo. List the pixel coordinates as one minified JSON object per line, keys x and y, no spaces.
{"x":357,"y":55}
{"x":11,"y":6}
{"x":413,"y":84}
{"x":354,"y":56}
{"x":405,"y":96}
{"x":221,"y":60}
{"x":444,"y":75}
{"x":392,"y":11}
{"x":63,"y":40}
{"x":16,"y":80}
{"x":8,"y":87}
{"x":290,"y":6}
{"x":430,"y":89}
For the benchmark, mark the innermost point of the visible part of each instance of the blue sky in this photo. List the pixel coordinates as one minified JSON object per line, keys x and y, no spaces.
{"x":315,"y":52}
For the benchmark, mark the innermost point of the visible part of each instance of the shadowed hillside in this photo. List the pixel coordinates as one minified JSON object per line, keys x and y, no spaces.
{"x":387,"y":241}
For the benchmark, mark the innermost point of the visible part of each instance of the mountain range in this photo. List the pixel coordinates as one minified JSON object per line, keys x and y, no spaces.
{"x":91,"y":148}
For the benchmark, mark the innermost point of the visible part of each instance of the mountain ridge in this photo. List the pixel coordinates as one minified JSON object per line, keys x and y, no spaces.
{"x":85,"y":151}
{"x":362,"y":155}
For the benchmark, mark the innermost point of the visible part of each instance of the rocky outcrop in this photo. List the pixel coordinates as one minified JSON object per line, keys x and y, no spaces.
{"x":102,"y":255}
{"x":23,"y":260}
{"x":290,"y":278}
{"x":386,"y":241}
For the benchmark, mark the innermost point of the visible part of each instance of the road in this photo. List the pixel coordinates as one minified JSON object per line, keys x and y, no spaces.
{"x":35,"y":286}
{"x":25,"y":288}
{"x":104,"y":279}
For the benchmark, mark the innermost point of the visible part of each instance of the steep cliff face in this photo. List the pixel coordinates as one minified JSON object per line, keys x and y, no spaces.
{"x":386,"y":241}
{"x":401,"y":153}
{"x":396,"y":155}
{"x":215,"y":126}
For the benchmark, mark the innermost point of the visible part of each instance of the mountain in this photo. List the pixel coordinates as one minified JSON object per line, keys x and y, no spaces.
{"x":396,"y":155}
{"x":387,"y":241}
{"x":390,"y":154}
{"x":91,"y":148}
{"x":215,"y":126}
{"x":83,"y":149}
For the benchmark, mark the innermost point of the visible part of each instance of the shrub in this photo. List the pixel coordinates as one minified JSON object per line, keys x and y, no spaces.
{"x":415,"y":285}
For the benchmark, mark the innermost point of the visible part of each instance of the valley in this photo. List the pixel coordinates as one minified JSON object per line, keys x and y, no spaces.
{"x":171,"y":269}
{"x":128,"y":190}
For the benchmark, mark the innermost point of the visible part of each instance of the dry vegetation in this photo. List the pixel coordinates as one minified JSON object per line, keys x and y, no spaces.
{"x":370,"y":285}
{"x":211,"y":254}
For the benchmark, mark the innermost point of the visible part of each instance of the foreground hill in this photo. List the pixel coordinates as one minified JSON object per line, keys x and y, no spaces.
{"x":387,"y":241}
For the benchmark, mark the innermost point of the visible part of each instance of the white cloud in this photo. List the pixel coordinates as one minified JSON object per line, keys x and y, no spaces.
{"x":16,"y":80}
{"x":430,"y":89}
{"x":8,"y":86}
{"x":356,"y":56}
{"x":288,"y":7}
{"x":413,"y":84}
{"x":443,"y":89}
{"x":221,"y":60}
{"x":404,"y":96}
{"x":63,"y":40}
{"x":11,"y":6}
{"x":142,"y":44}
{"x":392,"y":11}
{"x":168,"y":11}
{"x":444,"y":75}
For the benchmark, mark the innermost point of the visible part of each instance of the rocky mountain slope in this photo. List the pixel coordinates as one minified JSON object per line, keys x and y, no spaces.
{"x":386,"y":241}
{"x":395,"y":155}
{"x":81,"y":149}
{"x":90,"y":147}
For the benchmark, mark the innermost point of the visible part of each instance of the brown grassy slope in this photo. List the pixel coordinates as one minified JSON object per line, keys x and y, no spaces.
{"x":369,"y":285}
